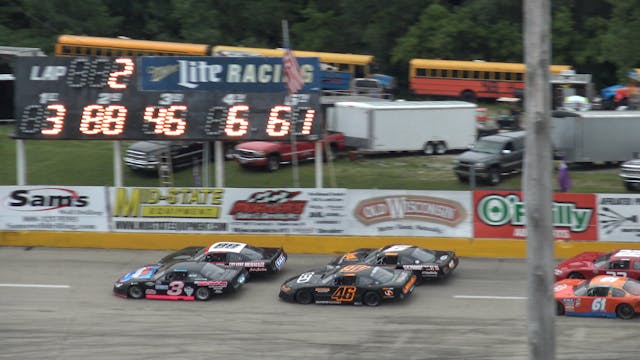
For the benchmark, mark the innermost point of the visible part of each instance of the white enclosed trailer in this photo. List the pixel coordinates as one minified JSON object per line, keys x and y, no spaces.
{"x":595,"y":136}
{"x":428,"y":126}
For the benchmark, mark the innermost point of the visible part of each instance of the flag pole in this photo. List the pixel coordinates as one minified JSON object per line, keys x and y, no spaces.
{"x":294,"y":148}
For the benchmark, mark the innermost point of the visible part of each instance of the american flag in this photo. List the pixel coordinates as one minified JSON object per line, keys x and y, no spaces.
{"x":292,"y":71}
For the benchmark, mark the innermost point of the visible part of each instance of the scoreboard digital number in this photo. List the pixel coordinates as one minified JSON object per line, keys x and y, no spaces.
{"x":102,"y":98}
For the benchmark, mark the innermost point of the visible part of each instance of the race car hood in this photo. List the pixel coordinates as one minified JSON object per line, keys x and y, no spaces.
{"x":181,"y":255}
{"x":564,"y":288}
{"x":584,"y":260}
{"x":143,"y":273}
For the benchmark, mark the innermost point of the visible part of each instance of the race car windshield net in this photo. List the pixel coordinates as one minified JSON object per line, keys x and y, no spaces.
{"x":602,"y":260}
{"x":423,"y":255}
{"x":212,"y":271}
{"x":381,"y":274}
{"x":632,"y":287}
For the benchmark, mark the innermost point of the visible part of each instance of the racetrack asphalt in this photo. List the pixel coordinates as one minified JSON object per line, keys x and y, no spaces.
{"x":56,"y":303}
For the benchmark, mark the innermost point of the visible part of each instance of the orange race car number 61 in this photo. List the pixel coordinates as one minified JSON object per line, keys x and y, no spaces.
{"x":344,"y":294}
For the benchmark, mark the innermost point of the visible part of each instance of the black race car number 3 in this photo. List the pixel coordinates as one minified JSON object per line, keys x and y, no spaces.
{"x":344,"y":294}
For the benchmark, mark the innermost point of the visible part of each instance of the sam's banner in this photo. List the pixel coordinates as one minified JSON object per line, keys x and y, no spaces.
{"x":53,"y":208}
{"x":502,"y":214}
{"x":409,"y":213}
{"x":242,"y":74}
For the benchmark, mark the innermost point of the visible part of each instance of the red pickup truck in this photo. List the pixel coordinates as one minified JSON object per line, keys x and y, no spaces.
{"x":272,"y":154}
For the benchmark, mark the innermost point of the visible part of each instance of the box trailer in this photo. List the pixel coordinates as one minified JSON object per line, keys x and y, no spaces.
{"x":429,"y":126}
{"x":595,"y":136}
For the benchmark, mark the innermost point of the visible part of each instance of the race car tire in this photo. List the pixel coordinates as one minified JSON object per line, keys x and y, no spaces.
{"x":203,"y":294}
{"x":135,"y":292}
{"x":304,"y":297}
{"x":575,"y":275}
{"x":625,"y":311}
{"x":559,"y":308}
{"x":273,"y":162}
{"x":371,"y":299}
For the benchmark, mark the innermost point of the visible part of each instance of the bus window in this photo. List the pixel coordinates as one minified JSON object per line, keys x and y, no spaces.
{"x":454,"y":73}
{"x":434,"y":73}
{"x":421,"y":72}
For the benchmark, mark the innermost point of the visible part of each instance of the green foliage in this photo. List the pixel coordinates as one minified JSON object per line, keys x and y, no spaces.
{"x":597,"y":37}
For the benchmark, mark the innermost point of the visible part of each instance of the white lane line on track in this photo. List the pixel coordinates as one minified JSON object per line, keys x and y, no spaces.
{"x":478,"y":297}
{"x":36,"y":286}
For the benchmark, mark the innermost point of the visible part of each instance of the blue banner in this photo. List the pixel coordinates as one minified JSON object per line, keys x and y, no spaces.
{"x":245,"y":74}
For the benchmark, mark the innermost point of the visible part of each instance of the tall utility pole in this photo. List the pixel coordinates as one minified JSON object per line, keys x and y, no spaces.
{"x":537,"y":179}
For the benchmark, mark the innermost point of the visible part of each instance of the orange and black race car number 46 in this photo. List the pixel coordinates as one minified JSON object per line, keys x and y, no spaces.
{"x":344,"y":294}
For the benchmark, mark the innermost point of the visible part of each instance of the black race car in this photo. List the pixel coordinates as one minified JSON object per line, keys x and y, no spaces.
{"x":254,"y":259}
{"x":184,"y":280}
{"x":352,"y":284}
{"x":423,"y":262}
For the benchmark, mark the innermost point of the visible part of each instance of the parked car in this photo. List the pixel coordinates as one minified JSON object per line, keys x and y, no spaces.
{"x":271,"y":154}
{"x":630,"y":174}
{"x":492,"y":157}
{"x":146,"y":155}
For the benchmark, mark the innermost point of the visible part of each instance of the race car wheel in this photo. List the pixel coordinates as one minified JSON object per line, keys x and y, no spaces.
{"x":135,"y":292}
{"x":559,"y":308}
{"x":371,"y":299}
{"x":203,"y":294}
{"x":304,"y":297}
{"x":575,"y":275}
{"x":625,"y":311}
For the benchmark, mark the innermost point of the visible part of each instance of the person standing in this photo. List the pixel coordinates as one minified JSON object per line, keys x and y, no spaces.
{"x":564,"y":180}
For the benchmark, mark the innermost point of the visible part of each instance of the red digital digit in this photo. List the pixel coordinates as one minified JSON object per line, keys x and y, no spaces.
{"x":173,"y":124}
{"x":309,"y":116}
{"x":235,"y":125}
{"x":276,"y":125}
{"x":91,"y":122}
{"x":127,"y":70}
{"x":167,"y":121}
{"x":57,"y":120}
{"x":114,"y":119}
{"x":155,"y":115}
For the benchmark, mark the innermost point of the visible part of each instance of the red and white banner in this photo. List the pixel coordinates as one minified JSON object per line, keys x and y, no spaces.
{"x":501,"y":214}
{"x":53,"y":208}
{"x":292,"y":71}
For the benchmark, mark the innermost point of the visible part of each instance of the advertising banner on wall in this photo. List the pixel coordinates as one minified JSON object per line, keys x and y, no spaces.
{"x":228,"y":210}
{"x":53,"y":208}
{"x":619,"y":217}
{"x":286,"y":211}
{"x":409,"y":213}
{"x":501,"y":214}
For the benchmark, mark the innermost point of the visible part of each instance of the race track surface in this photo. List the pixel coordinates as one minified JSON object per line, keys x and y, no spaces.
{"x":57,"y":304}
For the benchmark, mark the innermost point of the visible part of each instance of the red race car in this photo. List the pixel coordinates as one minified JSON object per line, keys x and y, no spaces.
{"x":602,"y":296}
{"x":621,"y":262}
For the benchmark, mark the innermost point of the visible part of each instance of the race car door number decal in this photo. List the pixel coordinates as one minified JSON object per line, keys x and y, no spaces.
{"x":598,"y":304}
{"x":344,"y":294}
{"x":175,"y":288}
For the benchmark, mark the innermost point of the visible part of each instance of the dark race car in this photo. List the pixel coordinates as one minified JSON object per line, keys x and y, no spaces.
{"x":352,"y":284}
{"x":423,"y":262}
{"x":254,"y":259}
{"x":185,"y":280}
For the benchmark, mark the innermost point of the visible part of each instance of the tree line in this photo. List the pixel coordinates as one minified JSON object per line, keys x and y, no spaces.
{"x":599,"y":37}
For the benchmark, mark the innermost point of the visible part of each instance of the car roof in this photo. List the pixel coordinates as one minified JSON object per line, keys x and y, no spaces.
{"x":625,"y":254}
{"x":608,"y":280}
{"x":505,"y":136}
{"x":226,"y":247}
{"x":396,"y":248}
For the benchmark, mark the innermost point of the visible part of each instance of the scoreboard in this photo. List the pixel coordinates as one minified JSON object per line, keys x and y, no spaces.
{"x":163,"y":98}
